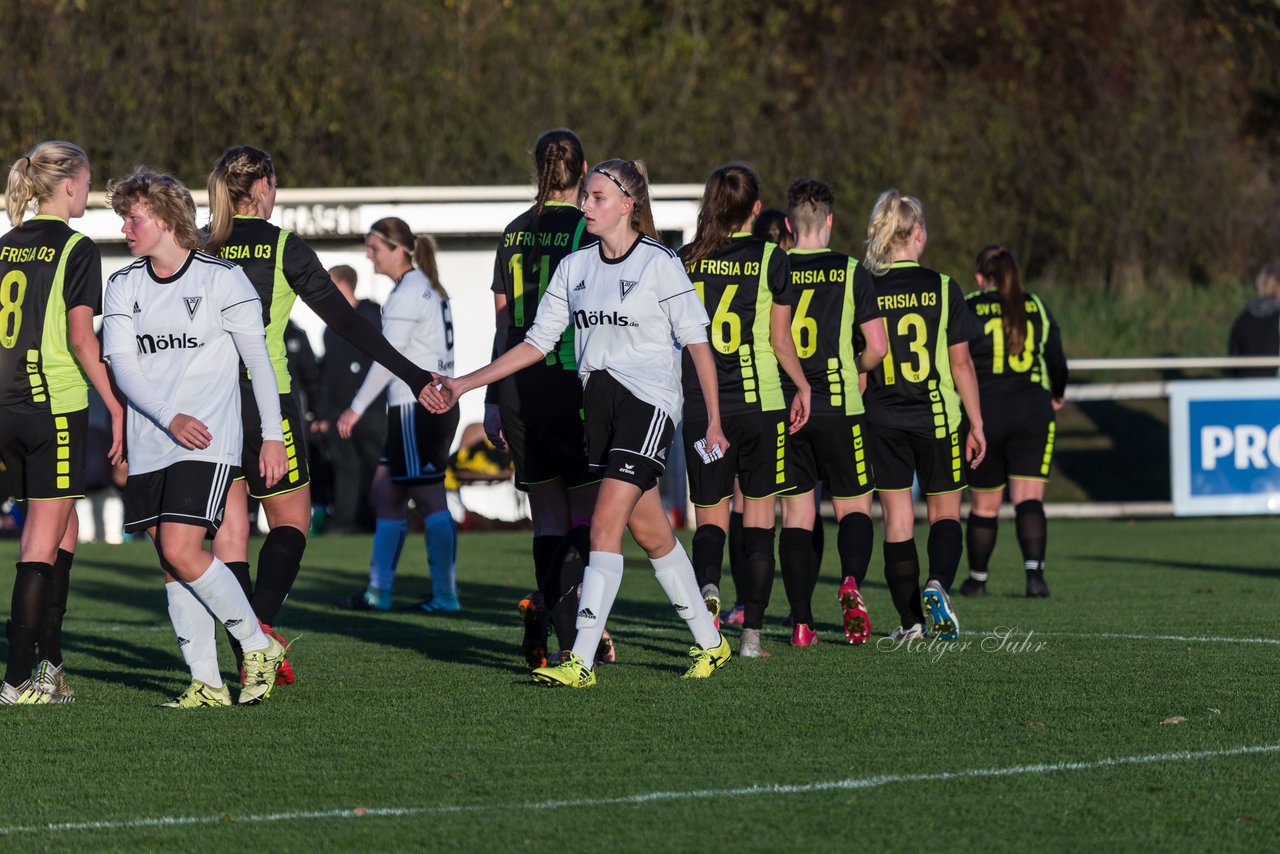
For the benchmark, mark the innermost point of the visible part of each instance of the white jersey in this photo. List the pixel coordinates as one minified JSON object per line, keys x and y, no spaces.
{"x":416,"y":321}
{"x":631,"y":316}
{"x":179,"y":328}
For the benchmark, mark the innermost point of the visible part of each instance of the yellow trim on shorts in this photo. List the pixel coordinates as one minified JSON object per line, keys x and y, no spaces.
{"x":279,"y":491}
{"x":1029,"y":477}
{"x":788,"y":495}
{"x":852,"y":497}
{"x":728,"y":497}
{"x":947,"y":491}
{"x":999,"y":488}
{"x":781,"y":493}
{"x":59,"y":498}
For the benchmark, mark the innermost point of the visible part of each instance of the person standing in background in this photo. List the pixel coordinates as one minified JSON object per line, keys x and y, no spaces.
{"x":352,"y":461}
{"x":1256,"y":331}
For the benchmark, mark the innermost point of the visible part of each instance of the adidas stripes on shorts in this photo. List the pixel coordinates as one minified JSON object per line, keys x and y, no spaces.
{"x":627,"y":439}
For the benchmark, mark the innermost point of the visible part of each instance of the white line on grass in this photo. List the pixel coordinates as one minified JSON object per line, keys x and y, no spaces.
{"x":647,"y":797}
{"x":399,"y":628}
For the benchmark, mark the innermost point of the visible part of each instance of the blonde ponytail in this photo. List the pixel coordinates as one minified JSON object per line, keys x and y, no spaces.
{"x":893,"y":219}
{"x":36,"y":176}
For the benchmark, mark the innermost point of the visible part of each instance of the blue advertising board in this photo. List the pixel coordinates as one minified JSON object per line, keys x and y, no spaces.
{"x":1225,"y":446}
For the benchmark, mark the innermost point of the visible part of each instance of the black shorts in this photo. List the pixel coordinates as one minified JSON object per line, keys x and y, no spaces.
{"x":43,"y":454}
{"x":757,"y":457}
{"x":627,"y":439}
{"x":295,"y":444}
{"x":191,"y":492}
{"x":542,"y":421}
{"x":897,"y":456}
{"x":418,"y":443}
{"x":832,"y":449}
{"x":1019,"y":442}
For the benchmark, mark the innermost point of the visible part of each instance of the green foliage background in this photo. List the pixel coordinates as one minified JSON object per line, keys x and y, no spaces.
{"x":1121,"y":144}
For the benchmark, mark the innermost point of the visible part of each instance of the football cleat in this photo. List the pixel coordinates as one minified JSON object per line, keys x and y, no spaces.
{"x":52,"y":679}
{"x":285,"y":675}
{"x":534,"y":644}
{"x":1036,"y":586}
{"x":606,"y":653}
{"x":857,"y":625}
{"x":711,"y":596}
{"x":369,"y":599}
{"x":942,"y":617}
{"x":29,"y":694}
{"x":707,"y":661}
{"x":802,"y":635}
{"x":735,"y":616}
{"x":261,"y":666}
{"x":433,"y":605}
{"x":571,"y":672}
{"x":973,"y":587}
{"x":915,"y":630}
{"x":200,"y":696}
{"x":749,"y":646}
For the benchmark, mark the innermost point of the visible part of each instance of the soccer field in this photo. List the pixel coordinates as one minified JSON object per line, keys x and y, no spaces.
{"x":1136,"y":707}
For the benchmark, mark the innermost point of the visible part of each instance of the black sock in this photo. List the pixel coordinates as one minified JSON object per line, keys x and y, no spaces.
{"x":240,"y":569}
{"x":278,"y":563}
{"x":946,"y":545}
{"x":854,"y":544}
{"x":737,"y":558}
{"x":1032,"y":533}
{"x":51,"y":630}
{"x":708,"y":555}
{"x":546,"y":549}
{"x":30,"y":601}
{"x":902,"y":574}
{"x":757,"y":582}
{"x":795,"y":554}
{"x":568,"y":573}
{"x":819,"y":541}
{"x":980,"y":542}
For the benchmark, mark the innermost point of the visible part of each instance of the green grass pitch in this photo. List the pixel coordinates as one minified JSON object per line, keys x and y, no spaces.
{"x":415,"y":731}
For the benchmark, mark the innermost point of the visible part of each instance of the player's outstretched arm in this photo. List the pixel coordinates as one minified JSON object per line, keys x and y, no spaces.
{"x":443,"y":395}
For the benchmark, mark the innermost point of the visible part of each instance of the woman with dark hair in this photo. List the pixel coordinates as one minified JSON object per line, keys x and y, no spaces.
{"x":537,"y":412}
{"x":242,"y":196}
{"x":742,"y":281}
{"x":628,"y":298}
{"x":913,"y":401}
{"x":1022,"y":376}
{"x":416,"y":320}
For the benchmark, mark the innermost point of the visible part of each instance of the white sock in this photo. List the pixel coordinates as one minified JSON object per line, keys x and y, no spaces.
{"x":600,"y":582}
{"x":675,"y":574}
{"x":222,"y":595}
{"x":194,"y":626}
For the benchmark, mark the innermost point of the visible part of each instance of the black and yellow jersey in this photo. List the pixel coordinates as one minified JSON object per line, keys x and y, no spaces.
{"x":739,"y":285}
{"x":282,"y":267}
{"x":924,"y":313}
{"x":531,"y":249}
{"x":1039,"y":367}
{"x":46,"y":268}
{"x":831,"y":296}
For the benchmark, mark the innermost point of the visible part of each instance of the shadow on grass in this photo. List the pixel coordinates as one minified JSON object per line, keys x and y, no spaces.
{"x":1268,"y":572}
